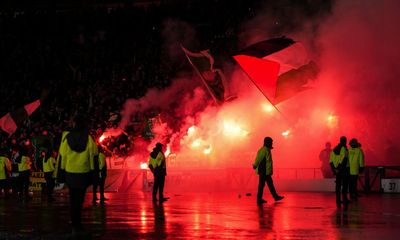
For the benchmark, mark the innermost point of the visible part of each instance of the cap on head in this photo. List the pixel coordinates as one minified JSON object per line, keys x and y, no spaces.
{"x":343,"y":139}
{"x":268,"y":142}
{"x":354,"y":143}
{"x":159,"y":145}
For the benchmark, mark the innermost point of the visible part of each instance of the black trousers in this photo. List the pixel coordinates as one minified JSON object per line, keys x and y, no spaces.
{"x":353,"y":186}
{"x":261,"y":184}
{"x":342,"y":184}
{"x":76,"y":199}
{"x":99,"y":182}
{"x":159,"y":181}
{"x":50,"y":183}
{"x":4,"y":186}
{"x":24,"y":183}
{"x":14,"y":183}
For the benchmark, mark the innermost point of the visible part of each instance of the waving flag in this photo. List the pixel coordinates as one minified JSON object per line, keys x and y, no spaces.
{"x":279,"y":67}
{"x":212,"y":78}
{"x":12,"y":120}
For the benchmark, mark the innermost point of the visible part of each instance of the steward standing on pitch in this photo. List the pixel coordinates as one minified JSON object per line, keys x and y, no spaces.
{"x":264,"y":168}
{"x":24,"y":168}
{"x":77,"y":152}
{"x":48,"y":164}
{"x":158,"y":167}
{"x":100,"y":178}
{"x":356,"y":163}
{"x":5,"y":167}
{"x":339,"y":162}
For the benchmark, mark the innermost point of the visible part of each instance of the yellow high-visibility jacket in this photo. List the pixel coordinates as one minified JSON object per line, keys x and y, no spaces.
{"x":158,"y":161}
{"x":74,"y":162}
{"x":25,"y":164}
{"x":356,"y":160}
{"x":58,"y":160}
{"x":337,"y":159}
{"x":262,"y":153}
{"x":102,"y":161}
{"x":4,"y":164}
{"x":49,"y":165}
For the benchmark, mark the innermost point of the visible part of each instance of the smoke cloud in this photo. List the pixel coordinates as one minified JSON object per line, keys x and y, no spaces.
{"x":359,"y":52}
{"x":356,"y":46}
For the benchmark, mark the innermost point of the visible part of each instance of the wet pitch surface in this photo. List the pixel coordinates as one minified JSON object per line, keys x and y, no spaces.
{"x":228,"y":215}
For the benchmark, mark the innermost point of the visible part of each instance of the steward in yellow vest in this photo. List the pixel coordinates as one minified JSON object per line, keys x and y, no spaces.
{"x":77,"y":152}
{"x":264,"y":169}
{"x":339,"y":162}
{"x":24,"y":168}
{"x":5,"y":168}
{"x":48,"y":164}
{"x":14,"y":180}
{"x":158,"y":167}
{"x":100,"y":179}
{"x":356,"y":163}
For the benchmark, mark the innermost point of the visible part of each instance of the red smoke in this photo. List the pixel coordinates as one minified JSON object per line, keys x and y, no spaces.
{"x":355,"y":95}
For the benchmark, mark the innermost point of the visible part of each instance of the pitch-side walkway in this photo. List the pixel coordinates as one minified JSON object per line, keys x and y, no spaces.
{"x":228,"y":215}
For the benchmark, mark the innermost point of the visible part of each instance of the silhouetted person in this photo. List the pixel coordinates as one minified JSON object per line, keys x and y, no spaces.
{"x":24,"y":168}
{"x":5,"y":167}
{"x":264,"y":169}
{"x":48,"y":164}
{"x":100,"y":178}
{"x":14,"y":179}
{"x":77,"y":152}
{"x":339,"y":162}
{"x":324,"y":158}
{"x":356,"y":163}
{"x":158,"y":167}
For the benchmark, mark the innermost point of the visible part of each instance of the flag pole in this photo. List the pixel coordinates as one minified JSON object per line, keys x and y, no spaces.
{"x":198,"y":72}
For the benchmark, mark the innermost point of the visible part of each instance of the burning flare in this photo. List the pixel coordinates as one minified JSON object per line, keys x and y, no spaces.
{"x":231,"y":129}
{"x":332,"y":121}
{"x":286,"y":133}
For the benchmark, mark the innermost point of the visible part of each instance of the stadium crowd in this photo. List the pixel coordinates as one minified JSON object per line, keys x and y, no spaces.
{"x":92,"y":59}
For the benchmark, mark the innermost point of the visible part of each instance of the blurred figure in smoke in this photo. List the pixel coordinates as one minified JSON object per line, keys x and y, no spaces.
{"x":339,"y":164}
{"x":158,"y":167}
{"x":49,"y":163}
{"x":14,"y":180}
{"x":5,"y":167}
{"x":24,"y":168}
{"x":264,"y":168}
{"x":324,"y":158}
{"x":100,"y":176}
{"x":356,"y":162}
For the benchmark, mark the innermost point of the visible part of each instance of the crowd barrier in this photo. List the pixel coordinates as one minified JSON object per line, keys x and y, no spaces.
{"x":373,"y":179}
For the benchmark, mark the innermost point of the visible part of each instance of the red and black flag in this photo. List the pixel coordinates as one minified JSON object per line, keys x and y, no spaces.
{"x":213,"y":78}
{"x":279,"y":67}
{"x":12,"y":120}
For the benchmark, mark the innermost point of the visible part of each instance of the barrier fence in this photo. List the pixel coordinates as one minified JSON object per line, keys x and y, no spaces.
{"x":373,"y":179}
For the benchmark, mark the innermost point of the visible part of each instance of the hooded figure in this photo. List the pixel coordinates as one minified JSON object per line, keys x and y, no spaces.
{"x":339,"y":164}
{"x":77,"y":152}
{"x":324,"y":158}
{"x":264,"y":168}
{"x":157,"y":165}
{"x":356,"y":163}
{"x":78,"y":137}
{"x":100,"y":176}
